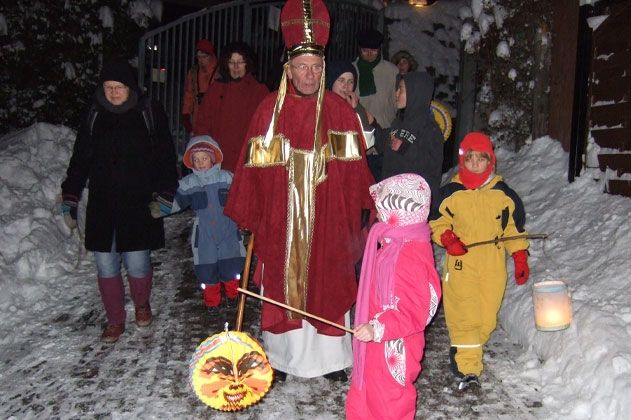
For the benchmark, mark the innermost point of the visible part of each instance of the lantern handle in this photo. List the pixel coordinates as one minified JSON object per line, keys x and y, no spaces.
{"x":244,"y":284}
{"x":291,"y":308}
{"x":509,"y":238}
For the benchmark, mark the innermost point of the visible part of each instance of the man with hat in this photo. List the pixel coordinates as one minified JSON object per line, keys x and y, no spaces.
{"x":199,"y":77}
{"x":300,"y":188}
{"x":377,"y":78}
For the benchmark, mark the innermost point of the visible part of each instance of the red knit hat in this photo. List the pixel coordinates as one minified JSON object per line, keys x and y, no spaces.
{"x":305,"y":25}
{"x":215,"y":153}
{"x":478,"y":142}
{"x":205,"y":46}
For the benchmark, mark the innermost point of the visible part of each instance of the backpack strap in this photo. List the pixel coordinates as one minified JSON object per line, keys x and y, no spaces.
{"x":147,"y":116}
{"x":92,"y":114}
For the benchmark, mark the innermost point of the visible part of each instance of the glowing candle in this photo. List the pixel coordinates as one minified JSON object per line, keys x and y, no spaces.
{"x":552,"y":305}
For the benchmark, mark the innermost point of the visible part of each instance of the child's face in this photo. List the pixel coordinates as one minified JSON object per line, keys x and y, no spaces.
{"x":400,"y":97}
{"x":202,"y":161}
{"x":476,"y":162}
{"x":404,"y":66}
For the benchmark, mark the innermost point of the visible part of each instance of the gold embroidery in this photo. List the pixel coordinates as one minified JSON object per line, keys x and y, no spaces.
{"x":343,"y":146}
{"x":300,"y":225}
{"x":258,"y":155}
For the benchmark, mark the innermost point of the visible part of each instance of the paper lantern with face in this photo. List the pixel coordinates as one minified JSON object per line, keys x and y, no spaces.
{"x":230,"y":371}
{"x":442,"y":117}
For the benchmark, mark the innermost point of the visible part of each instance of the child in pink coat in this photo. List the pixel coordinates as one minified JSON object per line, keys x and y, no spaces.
{"x":399,"y":291}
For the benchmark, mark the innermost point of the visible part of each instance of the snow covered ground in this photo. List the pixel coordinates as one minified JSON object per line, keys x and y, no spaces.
{"x":580,"y":373}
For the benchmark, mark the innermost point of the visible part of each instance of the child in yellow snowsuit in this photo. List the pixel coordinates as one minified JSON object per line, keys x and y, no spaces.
{"x":476,"y":205}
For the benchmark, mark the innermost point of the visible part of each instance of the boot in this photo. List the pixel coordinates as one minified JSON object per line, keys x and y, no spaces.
{"x":212,"y":295}
{"x":113,"y":296}
{"x":232,"y":293}
{"x":140,"y":289}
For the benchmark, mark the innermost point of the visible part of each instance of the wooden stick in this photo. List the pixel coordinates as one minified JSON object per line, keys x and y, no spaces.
{"x":291,"y":308}
{"x":244,"y":284}
{"x":509,"y":238}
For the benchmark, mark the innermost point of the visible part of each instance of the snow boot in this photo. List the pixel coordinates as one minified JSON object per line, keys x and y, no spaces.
{"x":113,"y":296}
{"x":469,"y":382}
{"x":212,"y":295}
{"x":232,"y":293}
{"x":140,"y":290}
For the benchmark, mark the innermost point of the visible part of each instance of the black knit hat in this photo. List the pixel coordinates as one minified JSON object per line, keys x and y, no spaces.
{"x":336,"y":68}
{"x":119,"y":71}
{"x":370,"y":38}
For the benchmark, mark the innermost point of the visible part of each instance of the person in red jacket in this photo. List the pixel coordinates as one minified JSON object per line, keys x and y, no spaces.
{"x":198,"y":79}
{"x":227,"y":108}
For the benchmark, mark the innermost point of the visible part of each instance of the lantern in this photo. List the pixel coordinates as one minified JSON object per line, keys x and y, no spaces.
{"x":229,"y":371}
{"x":553,"y":305}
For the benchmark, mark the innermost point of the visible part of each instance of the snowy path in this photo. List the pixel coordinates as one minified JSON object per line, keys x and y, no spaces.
{"x":53,"y":366}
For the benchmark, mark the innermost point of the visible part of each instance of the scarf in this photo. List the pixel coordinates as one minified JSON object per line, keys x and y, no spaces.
{"x":366,"y":77}
{"x":381,"y":276}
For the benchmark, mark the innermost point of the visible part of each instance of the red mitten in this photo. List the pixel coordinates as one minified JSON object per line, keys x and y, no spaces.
{"x":520,"y":258}
{"x":186,"y":121}
{"x":452,"y":243}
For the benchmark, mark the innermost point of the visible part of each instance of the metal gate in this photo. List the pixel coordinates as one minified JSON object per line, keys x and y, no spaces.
{"x":165,"y":54}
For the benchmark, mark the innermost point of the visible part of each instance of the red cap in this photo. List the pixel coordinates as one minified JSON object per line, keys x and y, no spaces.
{"x":478,"y":142}
{"x":206,"y":46}
{"x":214,"y":152}
{"x":305,"y":25}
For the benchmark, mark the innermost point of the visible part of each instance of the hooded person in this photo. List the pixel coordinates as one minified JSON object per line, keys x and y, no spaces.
{"x":226,"y":110}
{"x":218,"y":252}
{"x":476,"y":205}
{"x":398,"y":296}
{"x":125,"y":161}
{"x":300,"y":186}
{"x":414,"y":142}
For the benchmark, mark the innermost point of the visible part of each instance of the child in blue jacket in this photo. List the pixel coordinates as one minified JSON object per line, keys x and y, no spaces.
{"x":218,"y":252}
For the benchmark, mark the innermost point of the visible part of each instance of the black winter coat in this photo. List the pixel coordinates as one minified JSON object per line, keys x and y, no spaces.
{"x":422,"y":149}
{"x":123,"y":165}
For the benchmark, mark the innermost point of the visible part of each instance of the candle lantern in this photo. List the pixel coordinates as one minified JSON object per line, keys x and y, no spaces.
{"x":553,"y":305}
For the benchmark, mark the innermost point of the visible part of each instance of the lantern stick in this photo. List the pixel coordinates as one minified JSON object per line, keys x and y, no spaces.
{"x":509,"y":238}
{"x":291,"y":308}
{"x":244,"y":284}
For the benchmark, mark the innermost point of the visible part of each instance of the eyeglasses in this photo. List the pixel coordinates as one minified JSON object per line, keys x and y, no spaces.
{"x":236,"y":63}
{"x":315,"y":68}
{"x":115,"y":89}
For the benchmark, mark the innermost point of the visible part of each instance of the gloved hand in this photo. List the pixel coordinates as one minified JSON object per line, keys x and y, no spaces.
{"x":520,"y":258}
{"x":188,"y":124}
{"x":452,"y":243}
{"x":69,"y":210}
{"x":161,"y":205}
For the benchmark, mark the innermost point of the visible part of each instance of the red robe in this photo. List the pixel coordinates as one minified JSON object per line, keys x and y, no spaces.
{"x":258,"y":201}
{"x":225,"y":114}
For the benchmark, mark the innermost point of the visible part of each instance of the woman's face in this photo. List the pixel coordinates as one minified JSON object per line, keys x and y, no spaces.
{"x":344,"y":84}
{"x":400,"y":97}
{"x":403,"y":65}
{"x":116,"y":93}
{"x":236,"y":66}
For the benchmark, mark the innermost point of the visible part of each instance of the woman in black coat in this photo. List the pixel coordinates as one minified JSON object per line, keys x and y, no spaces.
{"x":124,"y":152}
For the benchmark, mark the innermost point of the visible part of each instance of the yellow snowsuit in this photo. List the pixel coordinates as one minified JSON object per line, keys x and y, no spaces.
{"x":474,"y":283}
